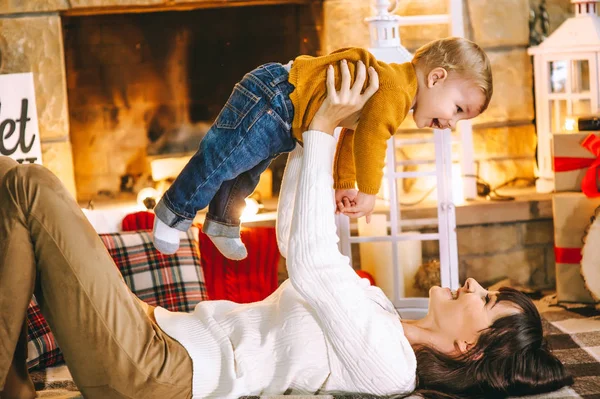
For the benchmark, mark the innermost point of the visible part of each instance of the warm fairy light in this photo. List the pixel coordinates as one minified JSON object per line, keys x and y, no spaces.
{"x":251,"y":209}
{"x":570,"y":124}
{"x":145,"y":193}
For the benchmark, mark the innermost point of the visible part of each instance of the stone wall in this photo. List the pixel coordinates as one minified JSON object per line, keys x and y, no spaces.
{"x":522,"y":252}
{"x":503,"y":240}
{"x":33,"y":43}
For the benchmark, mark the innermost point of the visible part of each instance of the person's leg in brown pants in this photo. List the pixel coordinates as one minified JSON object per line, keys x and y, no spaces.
{"x":18,"y":382}
{"x":111,"y":346}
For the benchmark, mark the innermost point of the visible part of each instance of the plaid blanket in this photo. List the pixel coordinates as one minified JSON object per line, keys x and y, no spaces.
{"x":572,"y":331}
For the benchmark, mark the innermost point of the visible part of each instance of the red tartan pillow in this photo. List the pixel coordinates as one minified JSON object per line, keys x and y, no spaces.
{"x":42,"y":349}
{"x":175,"y":282}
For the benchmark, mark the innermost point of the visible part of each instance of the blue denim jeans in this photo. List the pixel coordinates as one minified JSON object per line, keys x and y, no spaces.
{"x":253,"y":127}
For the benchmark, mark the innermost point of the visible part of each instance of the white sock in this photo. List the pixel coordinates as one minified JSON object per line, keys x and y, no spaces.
{"x":165,"y":238}
{"x":231,"y":248}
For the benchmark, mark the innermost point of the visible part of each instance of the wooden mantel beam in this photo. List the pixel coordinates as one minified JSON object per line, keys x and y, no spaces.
{"x":85,"y":11}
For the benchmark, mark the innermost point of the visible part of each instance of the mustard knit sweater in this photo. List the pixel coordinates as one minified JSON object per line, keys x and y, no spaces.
{"x":360,"y":155}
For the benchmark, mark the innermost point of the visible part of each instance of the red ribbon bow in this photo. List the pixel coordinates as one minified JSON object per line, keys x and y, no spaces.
{"x":566,"y":164}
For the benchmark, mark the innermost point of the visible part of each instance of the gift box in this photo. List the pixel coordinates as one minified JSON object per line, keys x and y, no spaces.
{"x":576,"y":158}
{"x":572,"y":216}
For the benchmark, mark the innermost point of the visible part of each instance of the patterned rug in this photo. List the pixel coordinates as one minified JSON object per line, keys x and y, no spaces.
{"x":573,"y":332}
{"x":55,"y":383}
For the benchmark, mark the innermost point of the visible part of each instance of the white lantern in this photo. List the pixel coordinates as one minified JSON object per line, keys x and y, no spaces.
{"x":566,"y":82}
{"x":385,"y":35}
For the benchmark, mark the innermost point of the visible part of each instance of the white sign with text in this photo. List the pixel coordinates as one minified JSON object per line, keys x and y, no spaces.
{"x":19,"y":132}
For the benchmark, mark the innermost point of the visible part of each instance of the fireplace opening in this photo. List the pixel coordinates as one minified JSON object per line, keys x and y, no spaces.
{"x":149,"y":85}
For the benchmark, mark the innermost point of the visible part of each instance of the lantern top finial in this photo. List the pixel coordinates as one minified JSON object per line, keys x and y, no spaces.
{"x":383,"y":26}
{"x":381,"y":7}
{"x":385,"y":34}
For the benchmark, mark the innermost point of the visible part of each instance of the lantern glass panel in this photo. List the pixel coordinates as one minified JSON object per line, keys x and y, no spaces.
{"x":558,"y":114}
{"x":580,"y":76}
{"x":558,"y":76}
{"x":582,"y":107}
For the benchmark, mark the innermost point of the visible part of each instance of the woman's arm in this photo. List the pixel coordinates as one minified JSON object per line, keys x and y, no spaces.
{"x":367,"y":340}
{"x":287,"y":198}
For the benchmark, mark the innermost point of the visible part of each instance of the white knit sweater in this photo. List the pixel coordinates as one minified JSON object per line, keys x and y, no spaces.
{"x":323,"y":330}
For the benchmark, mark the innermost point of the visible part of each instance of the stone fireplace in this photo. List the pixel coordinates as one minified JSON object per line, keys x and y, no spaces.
{"x":120,"y":82}
{"x":148,"y":85}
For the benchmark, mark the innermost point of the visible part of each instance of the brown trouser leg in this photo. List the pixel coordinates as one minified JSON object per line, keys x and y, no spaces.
{"x":18,"y":383}
{"x":111,"y":346}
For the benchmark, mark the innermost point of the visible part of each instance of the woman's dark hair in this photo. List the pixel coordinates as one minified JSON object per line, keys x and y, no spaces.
{"x":511,"y":358}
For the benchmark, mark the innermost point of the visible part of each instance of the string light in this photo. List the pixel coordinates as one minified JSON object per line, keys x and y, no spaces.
{"x":570,"y":124}
{"x":148,"y":196}
{"x":251,"y":209}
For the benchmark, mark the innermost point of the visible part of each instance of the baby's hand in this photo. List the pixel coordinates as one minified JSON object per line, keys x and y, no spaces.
{"x":364,"y":204}
{"x":344,"y":198}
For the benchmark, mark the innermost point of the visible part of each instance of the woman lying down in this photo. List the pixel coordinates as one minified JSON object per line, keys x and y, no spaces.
{"x":324,"y":330}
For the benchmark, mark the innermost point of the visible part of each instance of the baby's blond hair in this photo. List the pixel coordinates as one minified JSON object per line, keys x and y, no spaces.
{"x":459,"y":55}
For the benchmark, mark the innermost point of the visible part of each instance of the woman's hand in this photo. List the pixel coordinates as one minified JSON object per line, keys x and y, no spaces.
{"x":339,"y":105}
